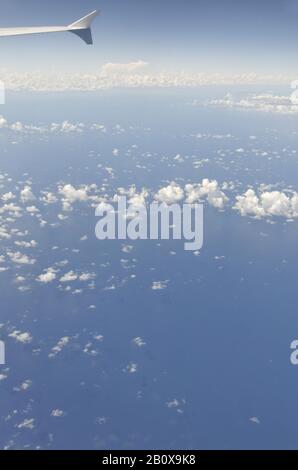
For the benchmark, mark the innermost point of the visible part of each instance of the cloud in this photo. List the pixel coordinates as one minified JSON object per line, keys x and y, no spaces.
{"x":7,"y":196}
{"x":131,"y":368}
{"x":70,"y":195}
{"x":71,"y":276}
{"x":139,"y":342}
{"x":170,"y":194}
{"x":26,"y":424}
{"x":58,"y":413}
{"x":62,"y":343}
{"x":27,"y":195}
{"x":19,"y":258}
{"x":112,"y":68}
{"x":264,"y":102}
{"x":85,"y":277}
{"x":113,"y":75}
{"x":267,"y":204}
{"x":48,"y":276}
{"x":64,"y":127}
{"x":208,"y":189}
{"x":20,"y":337}
{"x":159,"y":285}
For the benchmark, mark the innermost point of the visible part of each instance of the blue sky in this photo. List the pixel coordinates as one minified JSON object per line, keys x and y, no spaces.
{"x":194,"y":35}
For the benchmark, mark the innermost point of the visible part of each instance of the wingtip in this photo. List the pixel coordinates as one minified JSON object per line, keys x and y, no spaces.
{"x":85,"y":22}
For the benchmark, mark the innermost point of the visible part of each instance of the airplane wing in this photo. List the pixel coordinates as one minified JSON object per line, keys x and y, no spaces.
{"x":81,"y":28}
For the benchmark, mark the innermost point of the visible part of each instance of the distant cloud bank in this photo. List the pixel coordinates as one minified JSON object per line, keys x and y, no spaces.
{"x":129,"y":75}
{"x":264,"y":102}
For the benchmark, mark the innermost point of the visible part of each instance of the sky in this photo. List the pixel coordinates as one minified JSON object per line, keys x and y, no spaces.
{"x":121,"y":344}
{"x":221,"y":36}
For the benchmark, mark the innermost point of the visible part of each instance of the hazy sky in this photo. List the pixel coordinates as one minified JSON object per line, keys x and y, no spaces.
{"x":226,"y":36}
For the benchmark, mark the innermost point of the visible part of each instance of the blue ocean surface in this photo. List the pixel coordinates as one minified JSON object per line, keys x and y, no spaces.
{"x":155,"y":347}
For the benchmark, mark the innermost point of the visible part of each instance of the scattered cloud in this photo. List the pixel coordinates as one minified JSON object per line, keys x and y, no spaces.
{"x":264,"y":102}
{"x":267,"y":204}
{"x":48,"y":276}
{"x":159,"y":285}
{"x":21,"y":337}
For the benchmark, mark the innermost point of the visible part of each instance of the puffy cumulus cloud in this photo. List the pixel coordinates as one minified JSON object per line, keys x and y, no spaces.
{"x":67,"y":127}
{"x":32,"y":209}
{"x":21,"y":337}
{"x":112,"y":68}
{"x":159,"y":285}
{"x":7,"y":196}
{"x":4,"y":234}
{"x":170,"y":194}
{"x":48,"y":276}
{"x":19,"y":258}
{"x":58,"y":413}
{"x":134,"y":198}
{"x":267,"y":204}
{"x":264,"y":102}
{"x":85,"y":277}
{"x":25,"y":244}
{"x":27,"y":195}
{"x":71,"y":276}
{"x":49,"y":198}
{"x":71,"y":195}
{"x":208,"y":189}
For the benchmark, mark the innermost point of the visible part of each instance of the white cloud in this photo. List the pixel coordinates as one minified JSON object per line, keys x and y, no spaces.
{"x":170,"y":194}
{"x":7,"y":196}
{"x":62,"y":343}
{"x":69,"y":277}
{"x":19,"y":258}
{"x":26,"y":424}
{"x":32,"y":209}
{"x":48,"y":276}
{"x":131,"y":368}
{"x":139,"y":342}
{"x":87,"y":277}
{"x":27,"y":195}
{"x":128,"y":75}
{"x":208,"y":189}
{"x":159,"y":285}
{"x":267,"y":204}
{"x":112,"y":68}
{"x":20,"y":337}
{"x":58,"y":413}
{"x":265,"y":102}
{"x":24,"y":386}
{"x":24,"y":244}
{"x":71,"y":195}
{"x":255,"y":420}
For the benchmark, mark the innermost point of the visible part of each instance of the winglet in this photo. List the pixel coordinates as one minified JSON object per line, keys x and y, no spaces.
{"x":82,"y":27}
